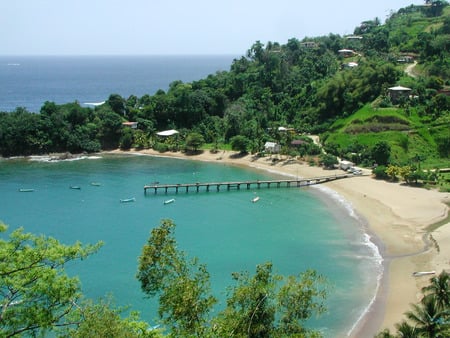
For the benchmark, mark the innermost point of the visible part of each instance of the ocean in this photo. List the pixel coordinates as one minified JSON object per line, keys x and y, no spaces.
{"x":29,"y":81}
{"x":295,"y":229}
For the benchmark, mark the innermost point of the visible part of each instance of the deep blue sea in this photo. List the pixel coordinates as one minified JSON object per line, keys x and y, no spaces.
{"x":29,"y":81}
{"x":295,"y":229}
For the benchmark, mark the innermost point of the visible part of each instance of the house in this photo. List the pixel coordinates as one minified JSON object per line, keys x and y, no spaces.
{"x":353,"y":37}
{"x":297,"y":143}
{"x":272,"y":147}
{"x":132,"y":125}
{"x":350,"y":65}
{"x":405,"y":59}
{"x":344,"y":165}
{"x":308,"y":44}
{"x":167,"y":132}
{"x":398,"y":92}
{"x":346,"y":52}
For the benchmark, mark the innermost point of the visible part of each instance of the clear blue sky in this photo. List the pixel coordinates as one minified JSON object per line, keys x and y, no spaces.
{"x":79,"y":27}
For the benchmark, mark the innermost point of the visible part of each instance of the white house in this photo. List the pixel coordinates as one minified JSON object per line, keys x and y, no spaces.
{"x":272,"y":147}
{"x":396,"y":93}
{"x":167,"y":132}
{"x":130,"y":124}
{"x":344,"y":165}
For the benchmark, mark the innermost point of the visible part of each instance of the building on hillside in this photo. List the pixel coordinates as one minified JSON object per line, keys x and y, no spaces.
{"x":345,"y":165}
{"x":272,"y":147}
{"x":132,"y":125}
{"x":398,"y":92}
{"x":405,"y":59}
{"x":346,"y":52}
{"x":350,"y":65}
{"x":166,"y":133}
{"x":309,"y":44}
{"x":354,"y":37}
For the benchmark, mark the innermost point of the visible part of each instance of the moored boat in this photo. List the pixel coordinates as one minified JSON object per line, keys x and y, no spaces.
{"x":169,"y":201}
{"x":423,"y":273}
{"x":255,"y":199}
{"x":26,"y":190}
{"x":127,"y":200}
{"x":76,"y":187}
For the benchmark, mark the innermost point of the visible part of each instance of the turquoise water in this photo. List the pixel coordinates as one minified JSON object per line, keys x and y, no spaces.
{"x":294,"y":228}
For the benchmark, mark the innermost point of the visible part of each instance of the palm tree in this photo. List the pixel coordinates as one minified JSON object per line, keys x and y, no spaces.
{"x":404,"y":330}
{"x":439,"y":288}
{"x":429,"y":318}
{"x":385,"y":334}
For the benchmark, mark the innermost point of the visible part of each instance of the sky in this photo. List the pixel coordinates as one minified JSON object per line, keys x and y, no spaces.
{"x":175,"y":27}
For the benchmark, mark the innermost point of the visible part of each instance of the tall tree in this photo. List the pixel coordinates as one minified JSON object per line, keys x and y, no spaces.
{"x":36,"y":295}
{"x":439,"y":288}
{"x":257,"y":306}
{"x":429,"y":318}
{"x":182,"y":285}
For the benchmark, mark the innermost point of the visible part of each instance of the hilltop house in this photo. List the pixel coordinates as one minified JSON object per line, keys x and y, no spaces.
{"x":398,"y":92}
{"x":346,"y":52}
{"x":132,"y":125}
{"x":166,"y":133}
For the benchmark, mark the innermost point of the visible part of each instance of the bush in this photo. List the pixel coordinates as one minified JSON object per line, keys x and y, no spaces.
{"x":161,"y":147}
{"x":380,"y":172}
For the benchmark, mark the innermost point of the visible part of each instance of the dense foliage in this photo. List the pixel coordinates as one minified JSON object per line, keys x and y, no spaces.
{"x":309,"y":86}
{"x":262,"y":305}
{"x":38,"y":297}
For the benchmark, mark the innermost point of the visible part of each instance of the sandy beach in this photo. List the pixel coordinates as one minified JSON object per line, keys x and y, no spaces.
{"x":396,"y":217}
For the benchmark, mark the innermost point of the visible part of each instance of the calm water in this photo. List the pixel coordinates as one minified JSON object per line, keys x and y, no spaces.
{"x":29,"y":81}
{"x":294,"y":228}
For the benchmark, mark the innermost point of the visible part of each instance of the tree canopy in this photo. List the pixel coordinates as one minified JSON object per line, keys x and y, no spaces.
{"x":262,"y":305}
{"x":38,"y":297}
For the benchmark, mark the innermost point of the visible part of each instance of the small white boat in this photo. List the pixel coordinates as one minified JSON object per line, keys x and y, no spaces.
{"x":26,"y":190}
{"x":255,"y":199}
{"x":95,"y":184}
{"x":127,"y":200}
{"x":76,"y":187}
{"x":169,"y":201}
{"x":423,"y":273}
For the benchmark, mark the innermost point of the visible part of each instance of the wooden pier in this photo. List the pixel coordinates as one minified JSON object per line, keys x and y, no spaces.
{"x":198,"y":187}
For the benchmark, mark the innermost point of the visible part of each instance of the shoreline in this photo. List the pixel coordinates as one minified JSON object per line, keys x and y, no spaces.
{"x":393,"y":215}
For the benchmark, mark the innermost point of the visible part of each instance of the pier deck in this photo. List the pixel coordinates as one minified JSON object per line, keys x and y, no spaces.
{"x":258,"y":184}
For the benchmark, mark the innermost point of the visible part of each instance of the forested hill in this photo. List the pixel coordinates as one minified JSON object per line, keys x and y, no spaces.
{"x":333,"y":85}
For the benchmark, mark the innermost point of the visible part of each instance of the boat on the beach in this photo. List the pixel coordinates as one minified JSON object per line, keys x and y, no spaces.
{"x":255,"y":199}
{"x":127,"y":200}
{"x":76,"y":187}
{"x":169,"y":201}
{"x":423,"y":273}
{"x":26,"y":190}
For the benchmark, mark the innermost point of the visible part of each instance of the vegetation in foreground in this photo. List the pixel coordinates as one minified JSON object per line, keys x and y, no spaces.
{"x":38,"y":297}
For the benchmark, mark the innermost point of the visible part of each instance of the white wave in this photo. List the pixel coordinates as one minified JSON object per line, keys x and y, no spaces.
{"x":340,"y":199}
{"x":367,"y":241}
{"x":55,"y":159}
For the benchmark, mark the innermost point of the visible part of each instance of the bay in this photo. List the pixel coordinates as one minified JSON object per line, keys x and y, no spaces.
{"x":295,"y":229}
